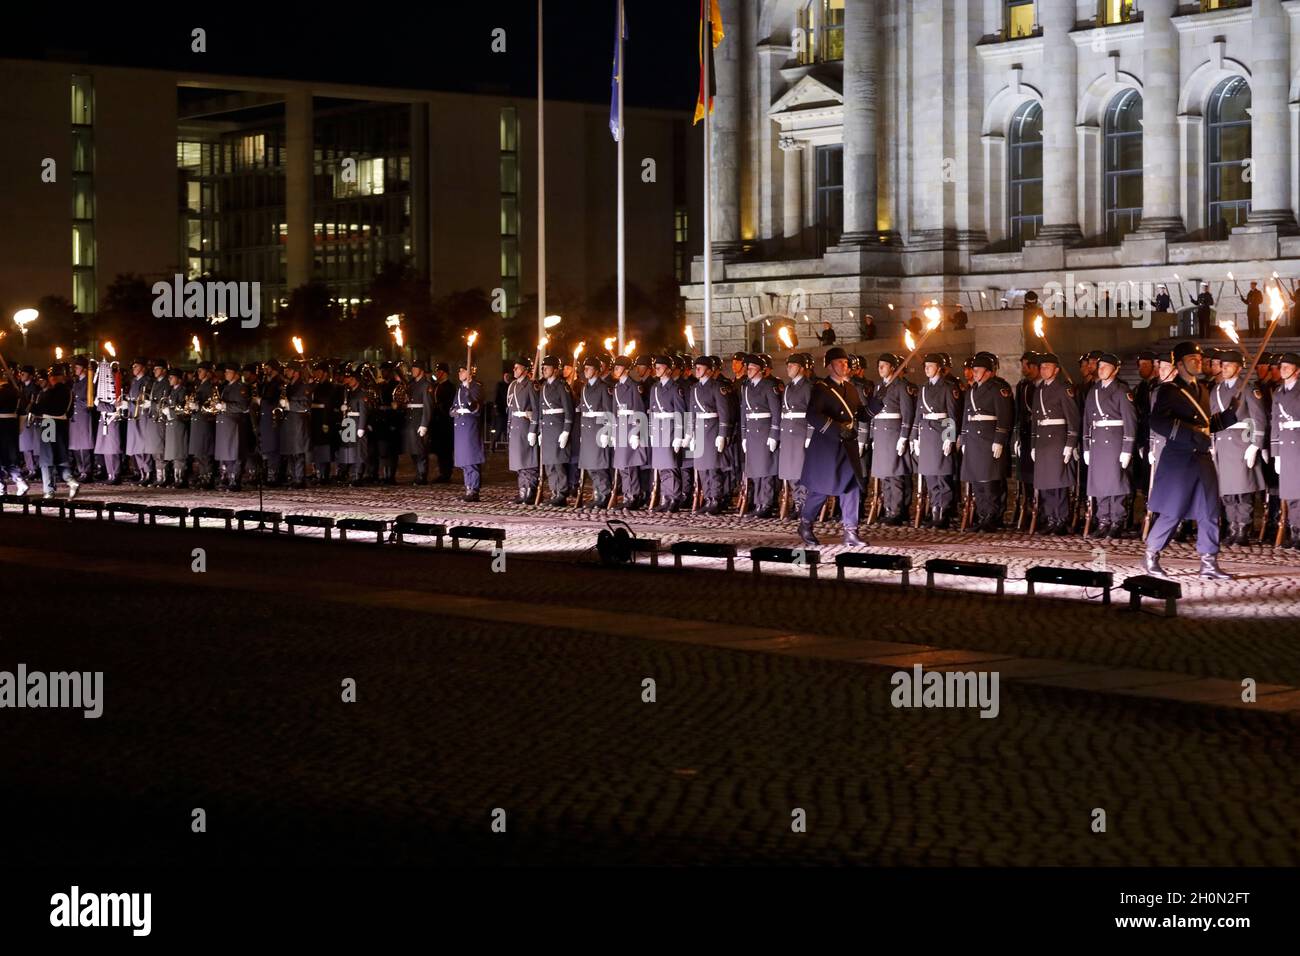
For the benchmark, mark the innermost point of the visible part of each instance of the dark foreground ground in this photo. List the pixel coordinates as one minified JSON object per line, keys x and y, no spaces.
{"x":522,"y":691}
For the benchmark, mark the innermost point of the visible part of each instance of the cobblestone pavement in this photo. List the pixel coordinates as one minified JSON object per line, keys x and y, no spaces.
{"x":225,"y":695}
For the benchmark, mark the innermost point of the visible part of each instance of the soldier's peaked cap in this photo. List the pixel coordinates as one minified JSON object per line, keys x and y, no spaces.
{"x":1184,"y":349}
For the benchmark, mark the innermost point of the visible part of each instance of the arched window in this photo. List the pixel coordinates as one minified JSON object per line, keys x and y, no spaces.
{"x":1025,"y":174}
{"x":1123,"y":165}
{"x":1227,"y":146}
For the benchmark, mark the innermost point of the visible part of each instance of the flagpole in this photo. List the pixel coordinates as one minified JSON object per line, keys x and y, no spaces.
{"x":541,"y":187}
{"x":622,"y":262}
{"x":706,"y":46}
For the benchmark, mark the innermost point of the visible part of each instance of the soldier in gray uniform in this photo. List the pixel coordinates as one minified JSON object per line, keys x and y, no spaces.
{"x":81,"y":428}
{"x":1284,"y":440}
{"x":760,"y":408}
{"x":155,"y":428}
{"x":987,"y":415}
{"x":295,"y":425}
{"x":355,"y":429}
{"x":1237,"y":447}
{"x":710,"y":410}
{"x":419,"y":419}
{"x":596,"y":431}
{"x":1052,"y":445}
{"x":176,"y":429}
{"x":521,"y":439}
{"x":138,"y":423}
{"x":203,"y":425}
{"x":630,"y":453}
{"x":934,"y":438}
{"x":466,"y":413}
{"x":231,"y":426}
{"x":893,"y":408}
{"x":794,"y":426}
{"x":1110,"y":427}
{"x":666,"y":408}
{"x":553,"y":426}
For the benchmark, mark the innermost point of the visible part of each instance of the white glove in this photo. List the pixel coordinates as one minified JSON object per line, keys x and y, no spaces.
{"x":1087,"y":456}
{"x":1124,"y":458}
{"x":422,"y":431}
{"x":916,"y":447}
{"x":719,"y":443}
{"x":284,"y":403}
{"x":532,"y":439}
{"x":808,"y":441}
{"x":633,"y":440}
{"x":771,"y":444}
{"x":997,"y":450}
{"x":947,"y":449}
{"x":677,"y":444}
{"x":1033,"y":454}
{"x":564,"y":439}
{"x":744,"y":444}
{"x":602,"y":440}
{"x":1252,"y":452}
{"x":1068,"y":455}
{"x":899,"y":446}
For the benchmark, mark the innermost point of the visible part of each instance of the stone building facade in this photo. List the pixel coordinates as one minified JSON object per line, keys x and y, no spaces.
{"x":870,"y":153}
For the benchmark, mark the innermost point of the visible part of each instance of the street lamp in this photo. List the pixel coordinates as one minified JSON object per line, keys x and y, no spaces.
{"x":24,"y":318}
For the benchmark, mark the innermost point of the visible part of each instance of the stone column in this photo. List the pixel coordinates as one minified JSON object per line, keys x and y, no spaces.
{"x":300,"y":162}
{"x":861,"y":102}
{"x":728,"y":110}
{"x":792,"y":188}
{"x":1270,"y":119}
{"x":1060,"y":157}
{"x":1161,"y":209}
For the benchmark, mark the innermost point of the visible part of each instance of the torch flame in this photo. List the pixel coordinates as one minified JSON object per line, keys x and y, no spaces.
{"x":297,"y":345}
{"x":934,"y":317}
{"x":108,"y":347}
{"x":1230,"y":330}
{"x":473,"y":337}
{"x":630,"y":348}
{"x":1275,"y":302}
{"x":1038,"y":325}
{"x":690,"y":336}
{"x":909,"y":341}
{"x":783,"y":333}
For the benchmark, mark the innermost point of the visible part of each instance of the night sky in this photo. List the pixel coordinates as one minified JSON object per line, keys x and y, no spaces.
{"x":441,"y":45}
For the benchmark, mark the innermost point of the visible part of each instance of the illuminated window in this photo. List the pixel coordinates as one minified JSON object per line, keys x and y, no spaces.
{"x":1227,"y":143}
{"x":1020,"y":18}
{"x":1123,"y":165}
{"x":1117,"y":11}
{"x":1025,"y":173}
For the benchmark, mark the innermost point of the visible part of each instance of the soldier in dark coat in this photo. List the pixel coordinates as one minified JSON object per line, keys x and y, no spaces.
{"x":794,"y":426}
{"x":203,"y":425}
{"x":81,"y":428}
{"x":521,"y":438}
{"x":553,"y":426}
{"x":892,"y":407}
{"x":988,"y":412}
{"x":231,"y":426}
{"x":595,"y":417}
{"x":295,"y":424}
{"x":1237,"y":448}
{"x":176,"y":429}
{"x":1284,"y":440}
{"x":1109,"y":436}
{"x":137,"y":421}
{"x":832,"y":464}
{"x":1185,"y":483}
{"x":630,"y":452}
{"x":934,"y":433}
{"x":467,"y":416}
{"x":709,"y":408}
{"x":666,"y":408}
{"x":444,"y":395}
{"x":760,"y":408}
{"x":1055,"y":439}
{"x":354,"y":432}
{"x":50,"y":420}
{"x":419,"y":419}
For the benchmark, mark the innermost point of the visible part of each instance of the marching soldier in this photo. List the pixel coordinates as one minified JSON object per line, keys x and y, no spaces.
{"x":832,"y":464}
{"x":50,"y":421}
{"x":934,"y":436}
{"x":1285,"y":440}
{"x":666,"y":406}
{"x":419,"y":418}
{"x":354,"y":431}
{"x":595,"y":456}
{"x":1055,"y":438}
{"x":176,"y":429}
{"x":295,"y":424}
{"x":760,"y":400}
{"x":203,"y":425}
{"x":1185,"y":481}
{"x":81,"y":428}
{"x":155,"y":426}
{"x":521,"y":443}
{"x":1109,"y":434}
{"x":794,"y":426}
{"x":894,"y":408}
{"x":1237,"y":447}
{"x":466,"y":415}
{"x":137,"y":422}
{"x":987,"y":415}
{"x":553,"y":426}
{"x":630,"y":453}
{"x":710,"y":409}
{"x":231,"y":427}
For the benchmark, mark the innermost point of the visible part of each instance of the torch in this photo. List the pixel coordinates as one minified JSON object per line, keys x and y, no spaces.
{"x":469,"y":352}
{"x":1038,"y":331}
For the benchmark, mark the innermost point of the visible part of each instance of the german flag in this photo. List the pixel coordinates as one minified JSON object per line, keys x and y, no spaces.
{"x":710,"y":25}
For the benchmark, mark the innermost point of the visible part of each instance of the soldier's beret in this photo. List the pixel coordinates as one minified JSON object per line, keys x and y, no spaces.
{"x":1184,"y":349}
{"x":889,"y":357}
{"x":81,"y":361}
{"x":442,"y":367}
{"x":1232,"y":355}
{"x":1049,"y":358}
{"x":1291,"y":358}
{"x":1146,"y":355}
{"x":832,"y":354}
{"x":983,"y":360}
{"x":644,"y":361}
{"x":204,"y":366}
{"x":935,"y":357}
{"x":550,"y":361}
{"x":1031,"y":357}
{"x":1110,"y":358}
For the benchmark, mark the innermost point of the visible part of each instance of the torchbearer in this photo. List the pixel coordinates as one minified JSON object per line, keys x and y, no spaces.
{"x":1285,"y":441}
{"x":1237,"y":448}
{"x":630,"y":454}
{"x":553,"y":426}
{"x":521,"y":437}
{"x":934,"y":438}
{"x":595,"y":448}
{"x":1109,"y":435}
{"x":1054,"y":439}
{"x":832,"y":464}
{"x":666,"y":406}
{"x":795,"y":433}
{"x":466,"y":416}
